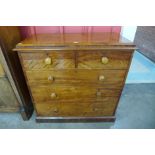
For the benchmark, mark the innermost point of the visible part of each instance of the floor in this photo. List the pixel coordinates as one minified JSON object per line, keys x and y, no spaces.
{"x":136,"y":107}
{"x":136,"y":110}
{"x":142,"y":70}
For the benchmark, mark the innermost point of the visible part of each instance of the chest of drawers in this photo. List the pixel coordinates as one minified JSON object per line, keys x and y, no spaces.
{"x":75,"y":77}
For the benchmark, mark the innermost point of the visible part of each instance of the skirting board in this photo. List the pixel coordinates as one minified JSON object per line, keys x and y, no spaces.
{"x":74,"y":119}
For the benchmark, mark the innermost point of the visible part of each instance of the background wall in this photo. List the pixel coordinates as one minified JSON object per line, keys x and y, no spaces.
{"x":145,"y":41}
{"x":129,"y":32}
{"x":29,"y":30}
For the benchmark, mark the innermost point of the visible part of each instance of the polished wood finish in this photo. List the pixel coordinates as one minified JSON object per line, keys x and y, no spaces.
{"x":75,"y":76}
{"x":66,"y":92}
{"x":81,"y":108}
{"x":93,"y":60}
{"x":9,"y":37}
{"x":36,"y":61}
{"x":84,"y":60}
{"x":75,"y":119}
{"x":112,"y":78}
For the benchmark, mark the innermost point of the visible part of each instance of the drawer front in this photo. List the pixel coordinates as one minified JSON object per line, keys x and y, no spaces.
{"x":91,"y":108}
{"x":103,"y":60}
{"x":48,"y":61}
{"x":112,"y":78}
{"x":72,"y":93}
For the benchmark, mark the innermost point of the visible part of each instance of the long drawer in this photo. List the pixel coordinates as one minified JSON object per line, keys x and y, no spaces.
{"x":89,"y":108}
{"x":112,"y":78}
{"x":69,"y":92}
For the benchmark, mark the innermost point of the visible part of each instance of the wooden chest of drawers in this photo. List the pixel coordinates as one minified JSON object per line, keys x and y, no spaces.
{"x":75,"y":77}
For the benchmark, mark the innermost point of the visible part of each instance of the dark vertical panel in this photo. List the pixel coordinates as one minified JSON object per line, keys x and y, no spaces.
{"x":9,"y":37}
{"x":145,"y":41}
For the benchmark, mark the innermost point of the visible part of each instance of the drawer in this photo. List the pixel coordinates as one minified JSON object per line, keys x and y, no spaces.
{"x":48,"y":60}
{"x":112,"y":78}
{"x":103,"y":59}
{"x":72,"y":93}
{"x":89,"y":108}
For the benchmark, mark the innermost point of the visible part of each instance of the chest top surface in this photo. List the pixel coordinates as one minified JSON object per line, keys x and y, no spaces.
{"x":72,"y":41}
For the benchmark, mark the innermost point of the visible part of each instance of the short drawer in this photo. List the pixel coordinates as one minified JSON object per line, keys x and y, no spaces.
{"x":83,"y":108}
{"x":48,"y":60}
{"x":112,"y":78}
{"x":103,"y":59}
{"x":67,"y":92}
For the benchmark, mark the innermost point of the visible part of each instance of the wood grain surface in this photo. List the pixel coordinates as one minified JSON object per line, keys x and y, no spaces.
{"x":78,"y":59}
{"x":67,"y":92}
{"x":85,"y":108}
{"x":92,"y":60}
{"x":36,"y":61}
{"x":112,"y":78}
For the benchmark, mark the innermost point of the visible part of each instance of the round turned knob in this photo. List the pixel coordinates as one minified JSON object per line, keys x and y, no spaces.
{"x":98,"y":93}
{"x":53,"y":95}
{"x":51,"y":78}
{"x":95,"y":109}
{"x":101,"y":77}
{"x":55,"y":110}
{"x":105,"y":60}
{"x":48,"y":61}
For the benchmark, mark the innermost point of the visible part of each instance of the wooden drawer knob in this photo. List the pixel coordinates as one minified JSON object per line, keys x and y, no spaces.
{"x":104,"y":60}
{"x":56,"y":110}
{"x":48,"y":61}
{"x":96,"y":109}
{"x":101,"y":78}
{"x":98,"y":94}
{"x":50,"y":78}
{"x":53,"y":95}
